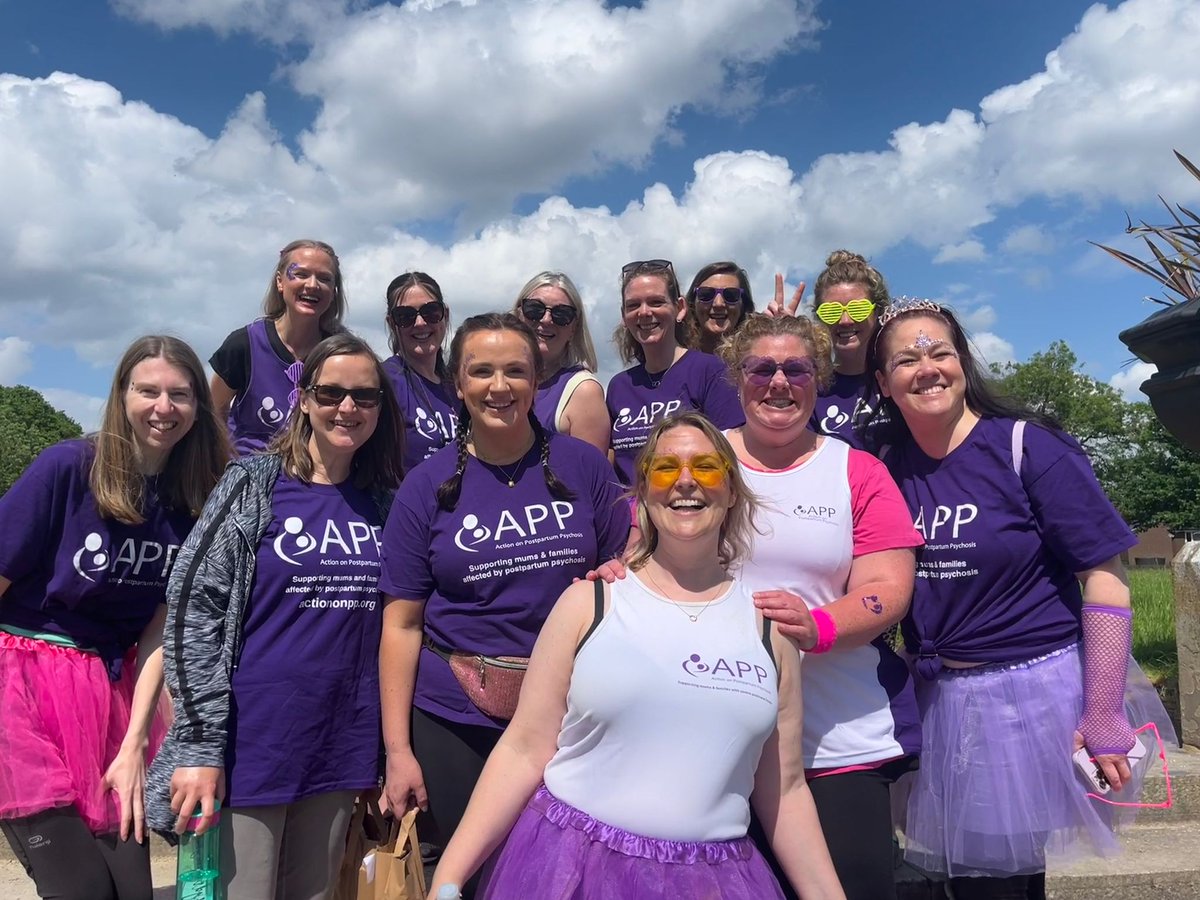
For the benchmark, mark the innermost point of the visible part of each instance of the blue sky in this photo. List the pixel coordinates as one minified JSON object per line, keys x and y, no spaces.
{"x":155,"y":154}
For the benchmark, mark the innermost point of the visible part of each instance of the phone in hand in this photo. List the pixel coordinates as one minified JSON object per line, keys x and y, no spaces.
{"x":1092,"y":772}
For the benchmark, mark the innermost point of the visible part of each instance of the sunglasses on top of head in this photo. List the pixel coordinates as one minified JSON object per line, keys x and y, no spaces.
{"x":334,"y":394}
{"x":535,"y":310}
{"x":798,"y":370}
{"x":406,"y":316}
{"x":731,"y":295}
{"x":644,"y":266}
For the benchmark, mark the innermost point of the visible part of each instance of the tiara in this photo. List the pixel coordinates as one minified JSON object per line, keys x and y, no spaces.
{"x":900,"y":306}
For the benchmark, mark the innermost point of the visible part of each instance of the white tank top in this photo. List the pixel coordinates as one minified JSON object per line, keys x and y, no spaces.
{"x":666,"y":718}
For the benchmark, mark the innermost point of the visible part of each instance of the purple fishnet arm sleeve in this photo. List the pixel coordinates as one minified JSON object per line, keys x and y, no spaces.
{"x":1107,"y":639}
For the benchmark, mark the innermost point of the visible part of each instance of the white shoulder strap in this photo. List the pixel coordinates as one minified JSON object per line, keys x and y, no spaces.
{"x":1018,"y":445}
{"x":583,"y":375}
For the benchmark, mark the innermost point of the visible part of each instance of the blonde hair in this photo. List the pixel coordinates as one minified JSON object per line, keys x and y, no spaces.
{"x":735,"y":538}
{"x":736,"y":347}
{"x":580,"y":351}
{"x":194,"y":464}
{"x":273,"y":305}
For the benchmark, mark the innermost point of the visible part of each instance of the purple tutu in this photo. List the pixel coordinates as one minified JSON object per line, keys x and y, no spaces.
{"x":557,"y":852}
{"x":997,"y":792}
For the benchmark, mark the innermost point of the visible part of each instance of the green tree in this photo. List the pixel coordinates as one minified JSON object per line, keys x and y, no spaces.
{"x":1157,"y":480}
{"x":1050,"y":382}
{"x":28,"y":424}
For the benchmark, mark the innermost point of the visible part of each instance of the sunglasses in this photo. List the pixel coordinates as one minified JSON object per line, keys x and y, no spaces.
{"x":535,"y":310}
{"x":645,"y":265}
{"x":334,"y":394}
{"x":731,"y":295}
{"x":798,"y":370}
{"x":406,"y":316}
{"x":708,"y":470}
{"x":858,"y":310}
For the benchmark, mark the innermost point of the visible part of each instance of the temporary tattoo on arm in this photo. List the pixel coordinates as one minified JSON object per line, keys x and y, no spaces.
{"x":871,"y":604}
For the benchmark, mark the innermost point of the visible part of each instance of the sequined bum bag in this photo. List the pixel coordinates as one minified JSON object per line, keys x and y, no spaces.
{"x":492,"y":683}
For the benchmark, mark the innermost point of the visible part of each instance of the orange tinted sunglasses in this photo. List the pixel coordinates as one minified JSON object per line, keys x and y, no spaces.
{"x":708,"y":470}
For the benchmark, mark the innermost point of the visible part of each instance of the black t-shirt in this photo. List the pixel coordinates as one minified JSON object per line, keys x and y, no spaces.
{"x":232,"y":359}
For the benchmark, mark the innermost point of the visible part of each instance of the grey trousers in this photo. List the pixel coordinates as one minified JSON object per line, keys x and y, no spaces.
{"x":291,"y":851}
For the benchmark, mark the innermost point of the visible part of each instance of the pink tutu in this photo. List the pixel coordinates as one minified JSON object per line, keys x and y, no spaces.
{"x":62,"y":721}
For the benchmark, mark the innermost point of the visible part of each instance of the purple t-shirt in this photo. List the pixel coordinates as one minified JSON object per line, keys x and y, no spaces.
{"x":94,"y":580}
{"x":637,"y":402}
{"x":549,"y":395}
{"x":996,"y":578}
{"x":256,"y":364}
{"x":305,"y":695}
{"x":428,"y":409}
{"x":491,"y":570}
{"x":842,"y":408}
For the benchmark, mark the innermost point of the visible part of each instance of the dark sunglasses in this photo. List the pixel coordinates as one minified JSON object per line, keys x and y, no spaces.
{"x":406,"y":316}
{"x":731,"y":295}
{"x":534,"y":310}
{"x":645,"y":265}
{"x":334,"y":394}
{"x":798,"y":370}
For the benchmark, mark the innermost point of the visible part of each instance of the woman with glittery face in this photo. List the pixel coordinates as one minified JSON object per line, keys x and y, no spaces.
{"x":1020,"y":626}
{"x":257,"y":368}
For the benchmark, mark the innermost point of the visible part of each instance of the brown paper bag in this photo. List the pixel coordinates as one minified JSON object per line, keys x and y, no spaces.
{"x":399,"y":872}
{"x":365,"y":834}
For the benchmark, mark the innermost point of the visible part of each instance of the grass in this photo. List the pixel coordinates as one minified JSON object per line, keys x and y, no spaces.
{"x":1154,"y":623}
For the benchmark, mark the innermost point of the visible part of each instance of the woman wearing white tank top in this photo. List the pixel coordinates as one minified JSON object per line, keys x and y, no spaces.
{"x":654,"y":714}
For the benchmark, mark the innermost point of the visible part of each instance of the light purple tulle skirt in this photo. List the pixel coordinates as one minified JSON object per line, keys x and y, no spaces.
{"x":557,"y":852}
{"x":997,"y":792}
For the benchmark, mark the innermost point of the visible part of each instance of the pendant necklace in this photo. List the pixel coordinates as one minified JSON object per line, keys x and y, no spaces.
{"x":517,"y":468}
{"x":692,"y":617}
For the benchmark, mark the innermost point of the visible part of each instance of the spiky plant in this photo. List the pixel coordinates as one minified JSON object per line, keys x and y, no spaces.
{"x":1175,"y":266}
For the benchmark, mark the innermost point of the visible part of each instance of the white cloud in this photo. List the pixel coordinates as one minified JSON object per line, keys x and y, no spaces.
{"x":1129,"y":381}
{"x":967,"y":251}
{"x":991,"y":349}
{"x":279,"y":21}
{"x":86,"y":410}
{"x":14,"y":359}
{"x":1028,"y":240}
{"x":980,"y":318}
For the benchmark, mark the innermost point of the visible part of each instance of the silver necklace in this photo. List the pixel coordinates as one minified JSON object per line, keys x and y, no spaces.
{"x":511,"y":477}
{"x":692,"y":617}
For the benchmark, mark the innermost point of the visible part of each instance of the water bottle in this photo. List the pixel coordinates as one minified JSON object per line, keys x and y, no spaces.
{"x":449,"y":892}
{"x":198,"y":870}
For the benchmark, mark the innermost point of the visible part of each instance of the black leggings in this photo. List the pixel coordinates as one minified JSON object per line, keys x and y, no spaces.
{"x":1014,"y":887}
{"x":67,"y":862}
{"x":856,"y":819}
{"x":451,"y":757}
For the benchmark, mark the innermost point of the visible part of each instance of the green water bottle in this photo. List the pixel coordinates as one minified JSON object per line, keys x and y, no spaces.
{"x":198,"y":869}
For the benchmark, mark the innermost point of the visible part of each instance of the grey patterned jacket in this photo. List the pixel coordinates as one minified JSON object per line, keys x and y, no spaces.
{"x":206,"y":601}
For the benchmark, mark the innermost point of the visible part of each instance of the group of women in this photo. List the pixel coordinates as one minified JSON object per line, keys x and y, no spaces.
{"x":663,"y":573}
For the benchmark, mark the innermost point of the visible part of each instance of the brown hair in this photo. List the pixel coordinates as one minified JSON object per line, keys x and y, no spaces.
{"x":627,"y":346}
{"x":377,"y":463}
{"x":847,"y":267}
{"x":735,"y":538}
{"x":448,"y":491}
{"x":395,"y":291}
{"x":194,"y":464}
{"x":273,"y":305}
{"x":736,"y":347}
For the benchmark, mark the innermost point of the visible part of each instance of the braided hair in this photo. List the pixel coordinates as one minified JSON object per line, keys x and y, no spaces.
{"x":448,"y":491}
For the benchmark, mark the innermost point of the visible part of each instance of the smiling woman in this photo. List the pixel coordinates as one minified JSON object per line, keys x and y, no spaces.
{"x":88,"y":535}
{"x":257,"y":369}
{"x":279,"y":576}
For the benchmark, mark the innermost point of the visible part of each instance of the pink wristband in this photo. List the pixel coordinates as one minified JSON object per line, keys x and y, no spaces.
{"x":826,"y":631}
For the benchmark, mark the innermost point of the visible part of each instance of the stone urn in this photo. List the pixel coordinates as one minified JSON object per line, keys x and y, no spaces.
{"x":1170,"y":339}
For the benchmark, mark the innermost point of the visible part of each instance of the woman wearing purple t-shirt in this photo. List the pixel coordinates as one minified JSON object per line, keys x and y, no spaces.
{"x":569,"y":398}
{"x":417,"y":318}
{"x":481,"y":539}
{"x":89,"y":532}
{"x":257,"y":369}
{"x":1020,"y":626}
{"x":667,"y":377}
{"x":272,"y":630}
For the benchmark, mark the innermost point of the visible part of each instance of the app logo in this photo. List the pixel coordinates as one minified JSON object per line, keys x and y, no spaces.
{"x":90,"y":560}
{"x":473,"y":530}
{"x":270,"y":414}
{"x":294,"y":541}
{"x":834,"y":419}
